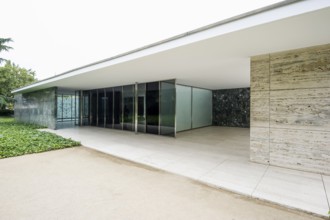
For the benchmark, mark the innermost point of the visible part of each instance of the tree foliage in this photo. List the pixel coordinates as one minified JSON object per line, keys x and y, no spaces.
{"x":12,"y":77}
{"x":4,"y":47}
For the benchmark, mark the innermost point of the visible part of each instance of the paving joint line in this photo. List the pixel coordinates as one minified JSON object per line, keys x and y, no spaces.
{"x":263,"y":175}
{"x":325,"y":190}
{"x":211,"y":169}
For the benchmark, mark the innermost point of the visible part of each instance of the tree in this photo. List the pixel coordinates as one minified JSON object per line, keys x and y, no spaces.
{"x":4,"y":47}
{"x":12,"y":77}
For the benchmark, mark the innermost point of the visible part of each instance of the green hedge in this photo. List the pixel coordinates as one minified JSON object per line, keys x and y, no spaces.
{"x":6,"y":112}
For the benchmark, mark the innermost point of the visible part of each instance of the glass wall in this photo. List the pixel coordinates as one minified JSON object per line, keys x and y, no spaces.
{"x":156,"y":107}
{"x":117,"y":108}
{"x":77,"y":107}
{"x":109,"y":108}
{"x":67,"y":108}
{"x":152,"y":108}
{"x":201,"y":107}
{"x":193,"y":107}
{"x":85,"y":107}
{"x":167,"y":108}
{"x":93,"y":108}
{"x":101,"y":108}
{"x":59,"y":110}
{"x":183,"y":108}
{"x":141,"y":108}
{"x":128,"y":107}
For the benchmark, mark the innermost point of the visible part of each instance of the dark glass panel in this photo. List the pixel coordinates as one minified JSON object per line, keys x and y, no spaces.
{"x":141,"y":108}
{"x":109,"y":108}
{"x":85,"y":108}
{"x":152,"y":107}
{"x":167,"y":108}
{"x":93,"y":108}
{"x":101,"y":108}
{"x":117,"y":110}
{"x":128,"y":111}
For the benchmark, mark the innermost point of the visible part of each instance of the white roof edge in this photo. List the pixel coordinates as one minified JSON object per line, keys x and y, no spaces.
{"x":152,"y":48}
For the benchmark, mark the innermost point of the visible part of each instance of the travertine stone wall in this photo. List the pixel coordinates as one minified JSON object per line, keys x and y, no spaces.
{"x":290,"y":109}
{"x":36,"y":107}
{"x":259,"y":115}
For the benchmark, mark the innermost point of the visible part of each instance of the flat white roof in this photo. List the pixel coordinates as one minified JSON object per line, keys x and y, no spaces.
{"x":216,"y":56}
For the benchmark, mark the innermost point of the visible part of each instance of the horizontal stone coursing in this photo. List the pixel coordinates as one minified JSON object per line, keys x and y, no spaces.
{"x":308,"y":150}
{"x":307,"y":109}
{"x":259,"y":109}
{"x":297,"y":132}
{"x":300,"y":69}
{"x":260,"y":68}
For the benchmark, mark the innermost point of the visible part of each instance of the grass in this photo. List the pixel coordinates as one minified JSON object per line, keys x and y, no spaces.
{"x":18,"y":139}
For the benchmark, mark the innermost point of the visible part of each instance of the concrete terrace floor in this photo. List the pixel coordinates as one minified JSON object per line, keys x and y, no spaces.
{"x":216,"y":156}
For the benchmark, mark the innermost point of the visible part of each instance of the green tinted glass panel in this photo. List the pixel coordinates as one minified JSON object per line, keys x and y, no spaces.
{"x":167,"y":108}
{"x":183,"y":108}
{"x":201,"y":107}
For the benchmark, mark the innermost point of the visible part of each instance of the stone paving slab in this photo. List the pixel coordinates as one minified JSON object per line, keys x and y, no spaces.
{"x":226,"y":155}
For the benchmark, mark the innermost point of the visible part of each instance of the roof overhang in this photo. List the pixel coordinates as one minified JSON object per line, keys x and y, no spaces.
{"x":214,"y":57}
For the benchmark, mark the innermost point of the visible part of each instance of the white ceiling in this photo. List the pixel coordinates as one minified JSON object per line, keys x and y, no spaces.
{"x":215,"y":63}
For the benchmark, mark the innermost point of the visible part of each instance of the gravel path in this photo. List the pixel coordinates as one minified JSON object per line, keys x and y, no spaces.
{"x":79,"y":183}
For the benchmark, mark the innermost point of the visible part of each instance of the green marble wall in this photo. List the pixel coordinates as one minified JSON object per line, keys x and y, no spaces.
{"x":36,"y":107}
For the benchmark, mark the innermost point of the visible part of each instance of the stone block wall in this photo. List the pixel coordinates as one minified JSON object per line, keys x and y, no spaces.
{"x":231,"y":107}
{"x":290,"y":109}
{"x":36,"y":107}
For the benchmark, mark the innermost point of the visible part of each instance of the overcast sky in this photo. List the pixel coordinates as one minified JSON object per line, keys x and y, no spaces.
{"x":52,"y":37}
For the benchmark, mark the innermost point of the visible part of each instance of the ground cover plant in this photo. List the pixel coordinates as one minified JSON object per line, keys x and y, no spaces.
{"x":18,"y":139}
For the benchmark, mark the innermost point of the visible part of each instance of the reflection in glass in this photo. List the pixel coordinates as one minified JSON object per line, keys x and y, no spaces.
{"x":167,"y":108}
{"x":152,"y":107}
{"x":59,"y":107}
{"x":117,"y":108}
{"x":141,"y":108}
{"x":128,"y":111}
{"x":67,"y":112}
{"x":93,"y":108}
{"x":101,"y":106}
{"x":162,"y":107}
{"x":77,"y":107}
{"x":85,"y":108}
{"x":109,"y":108}
{"x":67,"y":107}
